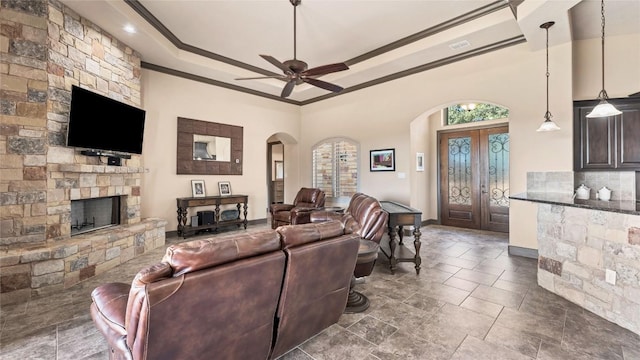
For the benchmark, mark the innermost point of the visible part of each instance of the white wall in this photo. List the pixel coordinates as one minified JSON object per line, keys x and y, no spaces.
{"x":383,"y":117}
{"x":165,"y":98}
{"x":401,"y":114}
{"x":622,"y":67}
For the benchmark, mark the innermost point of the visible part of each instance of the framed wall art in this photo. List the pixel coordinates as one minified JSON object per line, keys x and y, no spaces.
{"x":197,"y":188}
{"x":279,"y":169}
{"x":382,"y":160}
{"x":224,"y":187}
{"x":419,"y":161}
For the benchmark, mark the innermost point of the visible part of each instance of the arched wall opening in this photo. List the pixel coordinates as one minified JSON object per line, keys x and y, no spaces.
{"x":290,"y":158}
{"x":424,"y":139}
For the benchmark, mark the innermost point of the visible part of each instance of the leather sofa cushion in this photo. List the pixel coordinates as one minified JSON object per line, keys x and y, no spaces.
{"x":199,"y":254}
{"x":294,"y":235}
{"x":307,"y":197}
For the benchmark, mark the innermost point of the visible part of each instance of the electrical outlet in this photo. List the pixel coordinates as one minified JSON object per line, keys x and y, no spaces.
{"x":610,"y":276}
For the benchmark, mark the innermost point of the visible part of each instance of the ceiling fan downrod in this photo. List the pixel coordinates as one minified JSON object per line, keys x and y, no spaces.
{"x":295,"y":4}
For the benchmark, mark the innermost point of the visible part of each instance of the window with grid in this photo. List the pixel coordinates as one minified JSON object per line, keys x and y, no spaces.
{"x":335,"y":168}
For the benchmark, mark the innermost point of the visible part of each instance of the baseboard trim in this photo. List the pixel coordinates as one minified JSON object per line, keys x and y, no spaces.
{"x":524,"y":252}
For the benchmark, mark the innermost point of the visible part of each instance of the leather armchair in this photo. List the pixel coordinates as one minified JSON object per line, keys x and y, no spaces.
{"x":366,"y":218}
{"x":306,"y":201}
{"x":363,"y":216}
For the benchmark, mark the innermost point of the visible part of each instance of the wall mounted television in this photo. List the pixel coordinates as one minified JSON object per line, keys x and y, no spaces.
{"x":101,"y":124}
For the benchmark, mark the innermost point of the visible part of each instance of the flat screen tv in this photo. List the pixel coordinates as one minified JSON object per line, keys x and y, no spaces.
{"x":97,"y":122}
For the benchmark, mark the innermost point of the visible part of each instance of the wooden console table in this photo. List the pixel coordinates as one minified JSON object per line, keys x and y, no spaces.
{"x":185,"y":203}
{"x":400,"y":215}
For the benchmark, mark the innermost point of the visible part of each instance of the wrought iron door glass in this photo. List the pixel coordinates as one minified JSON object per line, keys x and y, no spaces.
{"x":460,"y":171}
{"x":499,"y":169}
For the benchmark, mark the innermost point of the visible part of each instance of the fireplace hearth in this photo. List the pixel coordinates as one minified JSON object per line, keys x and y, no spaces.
{"x":93,"y":214}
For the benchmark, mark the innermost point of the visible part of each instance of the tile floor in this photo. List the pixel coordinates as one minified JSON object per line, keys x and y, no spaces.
{"x":470,"y":301}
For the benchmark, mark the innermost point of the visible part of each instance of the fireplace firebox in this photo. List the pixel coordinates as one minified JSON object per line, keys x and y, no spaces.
{"x":95,"y":213}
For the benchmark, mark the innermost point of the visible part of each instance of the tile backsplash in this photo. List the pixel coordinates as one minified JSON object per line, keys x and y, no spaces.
{"x":551,"y":182}
{"x":621,"y":183}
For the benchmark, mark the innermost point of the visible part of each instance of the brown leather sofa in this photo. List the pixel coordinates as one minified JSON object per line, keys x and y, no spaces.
{"x":239,"y":296}
{"x":306,"y":201}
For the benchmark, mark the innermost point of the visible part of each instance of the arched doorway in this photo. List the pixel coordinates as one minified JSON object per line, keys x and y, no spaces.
{"x":474,"y":169}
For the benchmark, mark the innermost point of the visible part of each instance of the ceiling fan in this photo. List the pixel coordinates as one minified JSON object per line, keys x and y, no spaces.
{"x":296,"y":71}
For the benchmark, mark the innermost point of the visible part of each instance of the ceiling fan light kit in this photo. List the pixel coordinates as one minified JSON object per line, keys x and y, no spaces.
{"x":297,"y":71}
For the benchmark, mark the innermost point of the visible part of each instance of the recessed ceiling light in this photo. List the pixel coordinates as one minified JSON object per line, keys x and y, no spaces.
{"x":129,"y":28}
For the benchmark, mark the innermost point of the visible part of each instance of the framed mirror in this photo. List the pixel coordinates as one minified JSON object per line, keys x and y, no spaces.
{"x":211,"y":148}
{"x":208,"y":148}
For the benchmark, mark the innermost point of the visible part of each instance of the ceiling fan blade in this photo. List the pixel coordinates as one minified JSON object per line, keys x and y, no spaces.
{"x":277,"y":63}
{"x":323,"y":84}
{"x":263,"y":77}
{"x":325,"y":69}
{"x":288,"y":88}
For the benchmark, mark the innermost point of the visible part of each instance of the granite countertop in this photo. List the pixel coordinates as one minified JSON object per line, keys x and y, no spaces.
{"x":631,"y":207}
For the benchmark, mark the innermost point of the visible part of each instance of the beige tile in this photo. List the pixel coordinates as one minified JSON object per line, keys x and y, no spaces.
{"x":482,"y":306}
{"x":440,"y":314}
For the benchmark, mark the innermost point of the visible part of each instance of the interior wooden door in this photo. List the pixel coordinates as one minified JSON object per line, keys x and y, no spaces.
{"x":474,"y":178}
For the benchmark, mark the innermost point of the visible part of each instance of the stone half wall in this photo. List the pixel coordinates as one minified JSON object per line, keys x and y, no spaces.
{"x":577,"y":245}
{"x":45,"y":49}
{"x":29,"y":273}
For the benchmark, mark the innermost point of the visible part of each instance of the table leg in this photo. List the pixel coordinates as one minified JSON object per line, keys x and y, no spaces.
{"x":245,"y":214}
{"x":416,"y":244}
{"x":356,"y":302}
{"x":393,"y":261}
{"x":182,"y":220}
{"x":400,"y":234}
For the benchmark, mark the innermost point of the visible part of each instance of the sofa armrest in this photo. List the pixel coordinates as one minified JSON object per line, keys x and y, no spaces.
{"x":281,"y":207}
{"x":153,"y":273}
{"x":301,"y":210}
{"x":301,"y":215}
{"x":108,"y":311}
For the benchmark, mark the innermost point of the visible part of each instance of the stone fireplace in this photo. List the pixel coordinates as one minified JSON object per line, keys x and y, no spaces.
{"x":94,"y":214}
{"x":48,"y":49}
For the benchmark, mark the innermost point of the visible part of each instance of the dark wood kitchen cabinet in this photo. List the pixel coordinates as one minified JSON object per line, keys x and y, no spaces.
{"x":607,"y":143}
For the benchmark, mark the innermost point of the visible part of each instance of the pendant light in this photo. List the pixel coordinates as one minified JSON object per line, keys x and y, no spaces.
{"x":603,"y":108}
{"x":548,"y":124}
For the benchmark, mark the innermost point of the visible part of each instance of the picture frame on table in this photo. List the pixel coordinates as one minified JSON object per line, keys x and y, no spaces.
{"x":419,"y":161}
{"x":224,"y":187}
{"x":382,"y":160}
{"x":198,"y":189}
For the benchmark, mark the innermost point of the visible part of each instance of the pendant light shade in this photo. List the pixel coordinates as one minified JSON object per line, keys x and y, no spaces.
{"x":548,"y":124}
{"x":603,"y":108}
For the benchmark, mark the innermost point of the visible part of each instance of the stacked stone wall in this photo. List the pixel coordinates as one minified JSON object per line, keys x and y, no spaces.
{"x":577,"y":246}
{"x":45,"y":49}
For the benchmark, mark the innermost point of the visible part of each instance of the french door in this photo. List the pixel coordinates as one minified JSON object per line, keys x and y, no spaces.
{"x":474,"y":178}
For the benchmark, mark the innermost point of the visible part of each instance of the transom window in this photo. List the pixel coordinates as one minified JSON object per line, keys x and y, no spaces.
{"x":335,"y":168}
{"x":467,"y":113}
